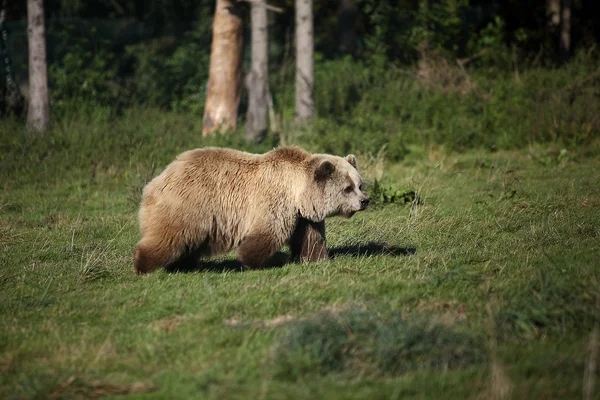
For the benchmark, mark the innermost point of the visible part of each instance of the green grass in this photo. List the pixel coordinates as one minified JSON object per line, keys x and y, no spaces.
{"x":488,"y":287}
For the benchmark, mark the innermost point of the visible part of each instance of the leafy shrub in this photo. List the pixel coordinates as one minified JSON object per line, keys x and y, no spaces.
{"x":489,"y":48}
{"x":171,"y":75}
{"x":362,"y":136}
{"x":172,"y":72}
{"x":402,"y":37}
{"x":85,"y":79}
{"x":339,"y":84}
{"x":401,"y":109}
{"x":439,"y":26}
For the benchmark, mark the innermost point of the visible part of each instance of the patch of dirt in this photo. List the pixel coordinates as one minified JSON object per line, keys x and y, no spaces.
{"x":267,"y":323}
{"x":587,"y":202}
{"x":447,"y":313}
{"x":169,"y":324}
{"x":282,"y":320}
{"x":77,"y":388}
{"x":436,"y":72}
{"x":499,"y":386}
{"x":8,"y":362}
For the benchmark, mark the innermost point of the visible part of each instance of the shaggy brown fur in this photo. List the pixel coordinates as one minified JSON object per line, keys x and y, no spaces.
{"x":209,"y":201}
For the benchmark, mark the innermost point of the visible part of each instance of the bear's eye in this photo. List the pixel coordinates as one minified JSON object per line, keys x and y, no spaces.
{"x":349,"y":189}
{"x":360,"y":187}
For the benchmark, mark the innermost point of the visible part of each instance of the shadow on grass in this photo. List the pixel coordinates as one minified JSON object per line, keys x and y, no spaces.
{"x":280,"y":258}
{"x":370,"y":249}
{"x":190,"y":265}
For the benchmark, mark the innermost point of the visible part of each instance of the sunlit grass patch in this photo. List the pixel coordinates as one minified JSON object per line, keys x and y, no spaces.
{"x":398,"y":310}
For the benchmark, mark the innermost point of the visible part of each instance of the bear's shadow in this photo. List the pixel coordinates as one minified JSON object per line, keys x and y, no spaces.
{"x":281,"y":258}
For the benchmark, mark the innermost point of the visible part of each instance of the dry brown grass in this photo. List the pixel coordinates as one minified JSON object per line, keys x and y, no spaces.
{"x":77,"y":388}
{"x":438,"y":73}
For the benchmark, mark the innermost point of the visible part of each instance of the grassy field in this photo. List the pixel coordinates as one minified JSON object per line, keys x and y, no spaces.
{"x":486,"y":286}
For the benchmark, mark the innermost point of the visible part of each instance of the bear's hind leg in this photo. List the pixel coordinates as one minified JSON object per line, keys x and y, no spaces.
{"x":150,"y":255}
{"x":256,"y":249}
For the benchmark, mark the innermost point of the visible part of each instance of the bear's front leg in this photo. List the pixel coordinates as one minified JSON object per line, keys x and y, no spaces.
{"x":256,"y":249}
{"x":308,"y":241}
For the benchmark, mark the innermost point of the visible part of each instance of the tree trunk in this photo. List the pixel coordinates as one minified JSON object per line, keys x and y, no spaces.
{"x":224,"y":81}
{"x":565,"y":30}
{"x":346,"y":25}
{"x":38,"y":112}
{"x":11,"y":100}
{"x":304,"y":60}
{"x":258,"y":78}
{"x":553,"y":11}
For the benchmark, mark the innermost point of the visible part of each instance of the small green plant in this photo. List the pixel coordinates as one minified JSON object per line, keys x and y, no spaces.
{"x":381,"y":193}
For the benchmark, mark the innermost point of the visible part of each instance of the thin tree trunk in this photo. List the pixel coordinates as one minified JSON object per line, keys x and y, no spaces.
{"x":38,"y":112}
{"x":224,"y":82}
{"x":346,"y":25}
{"x":553,"y":11}
{"x":308,"y":241}
{"x":565,"y":30}
{"x":304,"y":60}
{"x":11,"y":99}
{"x":258,"y":79}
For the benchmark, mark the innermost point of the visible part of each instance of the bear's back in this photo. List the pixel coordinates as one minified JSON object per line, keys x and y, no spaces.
{"x":288,"y":154}
{"x":285,"y":154}
{"x":217,"y":153}
{"x":233,"y":172}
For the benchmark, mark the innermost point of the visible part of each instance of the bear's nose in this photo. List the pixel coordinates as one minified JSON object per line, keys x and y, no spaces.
{"x":364,"y":203}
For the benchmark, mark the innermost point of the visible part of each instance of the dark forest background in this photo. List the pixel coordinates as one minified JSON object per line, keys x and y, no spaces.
{"x":465,"y":73}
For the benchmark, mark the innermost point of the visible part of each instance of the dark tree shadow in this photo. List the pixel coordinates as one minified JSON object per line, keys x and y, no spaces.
{"x":370,"y":249}
{"x":280,"y":258}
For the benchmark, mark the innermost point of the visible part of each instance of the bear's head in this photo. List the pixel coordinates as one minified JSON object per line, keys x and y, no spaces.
{"x":335,"y":188}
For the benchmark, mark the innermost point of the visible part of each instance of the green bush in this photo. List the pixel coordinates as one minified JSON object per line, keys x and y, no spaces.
{"x":169,"y":74}
{"x":401,"y":108}
{"x":339,"y":84}
{"x":85,"y":80}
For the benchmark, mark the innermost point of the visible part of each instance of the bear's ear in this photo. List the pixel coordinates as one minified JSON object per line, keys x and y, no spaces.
{"x":324,"y":170}
{"x":352,"y":160}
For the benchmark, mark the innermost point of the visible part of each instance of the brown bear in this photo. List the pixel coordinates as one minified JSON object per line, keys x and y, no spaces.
{"x":211,"y":200}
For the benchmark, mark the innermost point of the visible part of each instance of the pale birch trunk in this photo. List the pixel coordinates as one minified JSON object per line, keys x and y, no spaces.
{"x":38,"y":111}
{"x":224,"y":82}
{"x":258,"y":78}
{"x":553,"y":12}
{"x":304,"y":61}
{"x":565,"y":30}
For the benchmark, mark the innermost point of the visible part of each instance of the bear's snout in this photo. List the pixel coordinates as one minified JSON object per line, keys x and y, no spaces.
{"x":364,"y":203}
